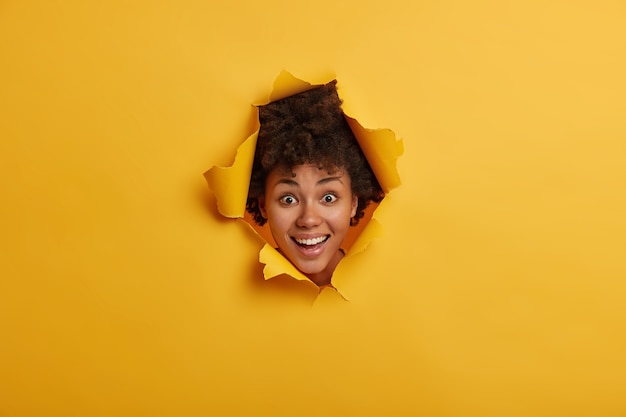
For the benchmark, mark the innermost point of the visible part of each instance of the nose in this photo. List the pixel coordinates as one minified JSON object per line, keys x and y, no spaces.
{"x":309,"y":216}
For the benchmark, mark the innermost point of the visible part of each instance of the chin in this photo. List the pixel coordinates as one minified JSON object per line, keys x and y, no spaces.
{"x":308,"y":269}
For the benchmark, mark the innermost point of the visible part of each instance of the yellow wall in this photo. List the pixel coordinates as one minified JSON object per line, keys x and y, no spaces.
{"x":497,"y":290}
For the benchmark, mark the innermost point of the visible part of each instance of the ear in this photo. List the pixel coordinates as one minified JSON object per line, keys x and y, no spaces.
{"x":355,"y":204}
{"x":261,"y":201}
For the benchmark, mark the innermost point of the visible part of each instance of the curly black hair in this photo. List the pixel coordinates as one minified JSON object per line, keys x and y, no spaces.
{"x":310,"y":128}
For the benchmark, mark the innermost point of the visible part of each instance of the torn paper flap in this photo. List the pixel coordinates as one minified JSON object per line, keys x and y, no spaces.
{"x":230,"y":184}
{"x":381,"y":149}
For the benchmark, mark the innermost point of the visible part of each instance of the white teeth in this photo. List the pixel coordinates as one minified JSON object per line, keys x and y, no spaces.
{"x":310,"y":242}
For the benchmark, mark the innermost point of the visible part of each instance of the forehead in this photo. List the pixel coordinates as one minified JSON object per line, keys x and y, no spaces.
{"x":306,"y":172}
{"x":296,"y":170}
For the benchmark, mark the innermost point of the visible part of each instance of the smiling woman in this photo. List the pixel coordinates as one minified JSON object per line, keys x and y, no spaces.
{"x":310,"y":180}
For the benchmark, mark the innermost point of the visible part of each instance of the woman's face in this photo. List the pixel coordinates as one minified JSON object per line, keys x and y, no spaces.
{"x":308,"y":211}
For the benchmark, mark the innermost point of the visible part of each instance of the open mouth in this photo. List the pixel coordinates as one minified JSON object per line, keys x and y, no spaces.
{"x":311,"y":243}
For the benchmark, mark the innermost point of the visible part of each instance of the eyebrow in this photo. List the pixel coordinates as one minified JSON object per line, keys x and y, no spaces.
{"x":295,"y":183}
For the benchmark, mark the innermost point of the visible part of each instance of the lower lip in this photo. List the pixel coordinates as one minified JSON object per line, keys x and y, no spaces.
{"x":312,"y":251}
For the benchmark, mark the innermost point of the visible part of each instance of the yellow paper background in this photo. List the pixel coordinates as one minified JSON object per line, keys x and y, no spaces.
{"x":497,"y":289}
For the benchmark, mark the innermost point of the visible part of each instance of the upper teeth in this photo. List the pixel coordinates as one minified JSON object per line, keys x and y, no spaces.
{"x":313,"y":241}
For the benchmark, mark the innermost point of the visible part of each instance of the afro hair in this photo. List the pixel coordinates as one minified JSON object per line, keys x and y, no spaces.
{"x":310,"y":128}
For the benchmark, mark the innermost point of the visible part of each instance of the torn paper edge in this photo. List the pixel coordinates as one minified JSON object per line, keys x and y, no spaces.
{"x":230,"y":185}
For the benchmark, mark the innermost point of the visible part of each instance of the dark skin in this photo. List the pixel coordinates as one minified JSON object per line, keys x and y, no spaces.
{"x":309,"y":211}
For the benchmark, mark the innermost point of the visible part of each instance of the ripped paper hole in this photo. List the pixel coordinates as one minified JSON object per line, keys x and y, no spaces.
{"x":230,"y":184}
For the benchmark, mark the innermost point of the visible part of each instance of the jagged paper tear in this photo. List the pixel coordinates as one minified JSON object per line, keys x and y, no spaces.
{"x":230,"y":184}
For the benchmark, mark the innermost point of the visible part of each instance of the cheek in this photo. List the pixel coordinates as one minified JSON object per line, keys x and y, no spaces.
{"x":340,"y":217}
{"x":278,"y":220}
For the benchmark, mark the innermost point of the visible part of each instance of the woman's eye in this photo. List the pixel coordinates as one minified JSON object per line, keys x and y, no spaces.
{"x":329,"y":198}
{"x":287,"y":200}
